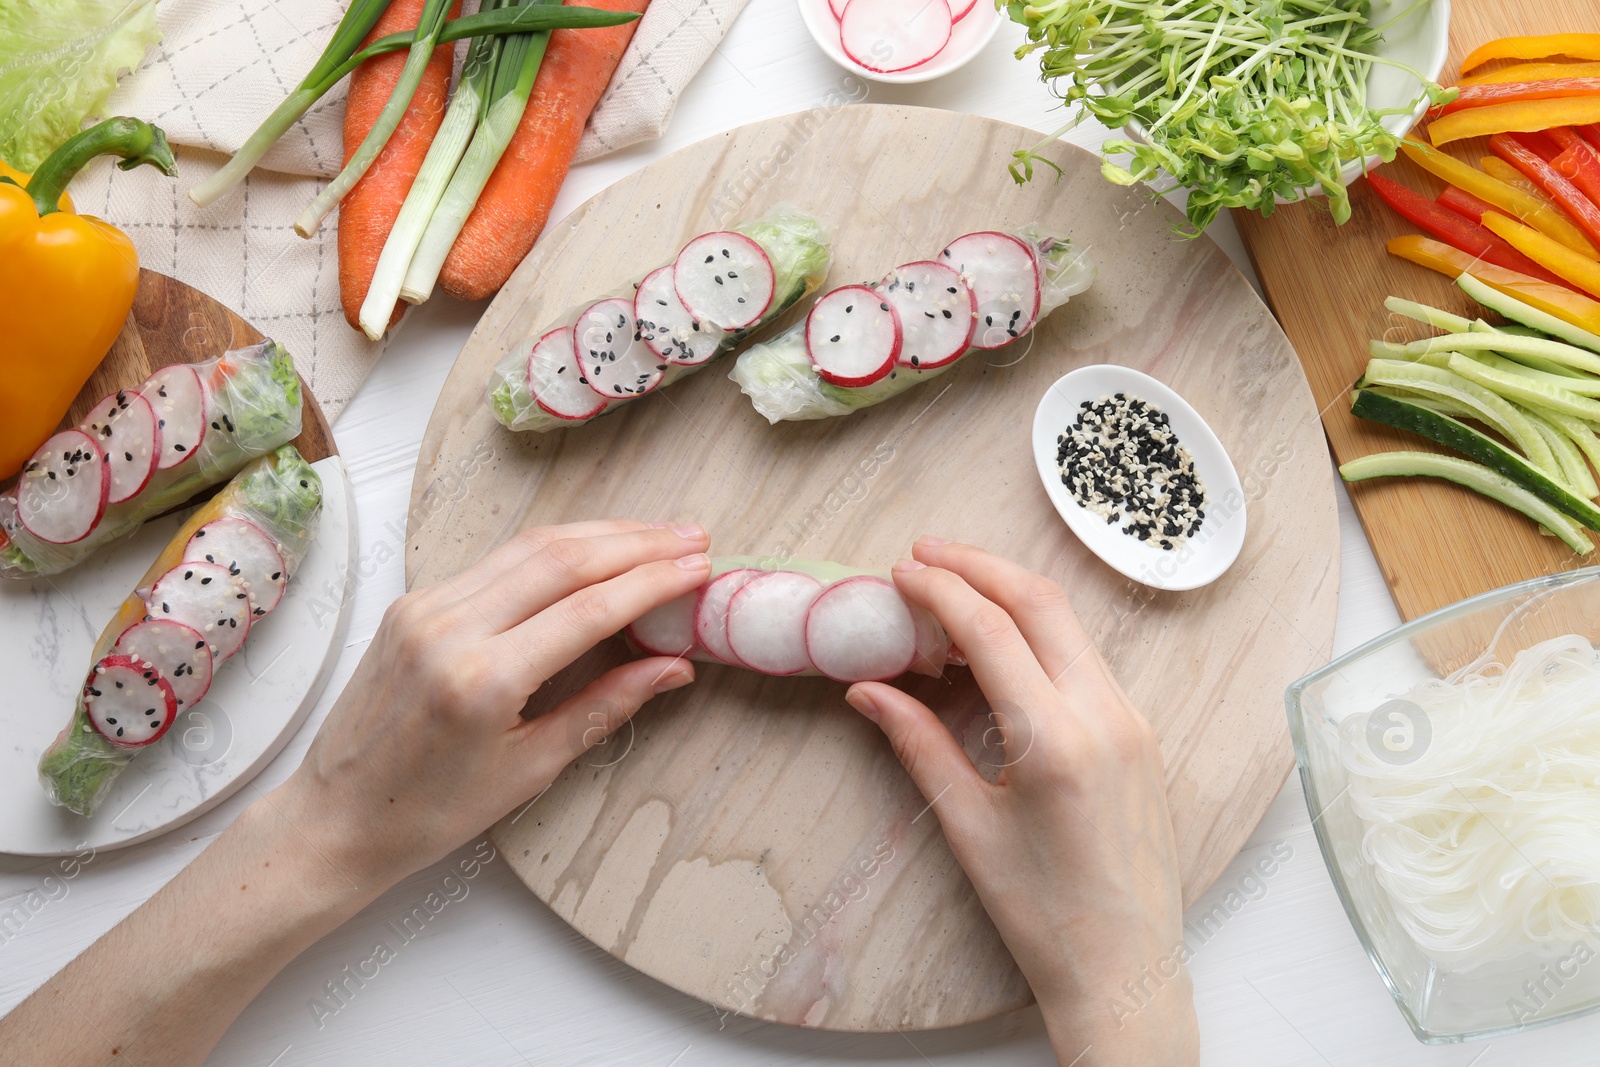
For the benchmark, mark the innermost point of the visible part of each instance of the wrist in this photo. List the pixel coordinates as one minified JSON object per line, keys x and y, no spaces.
{"x":1148,"y":1021}
{"x":328,"y":875}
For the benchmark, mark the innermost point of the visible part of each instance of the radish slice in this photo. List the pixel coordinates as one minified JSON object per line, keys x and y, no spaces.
{"x":669,"y":629}
{"x":1004,"y":276}
{"x":248,"y":554}
{"x":935,"y":308}
{"x":556,"y":382}
{"x":853,"y":336}
{"x":64,"y":488}
{"x":614,"y":361}
{"x":890,"y":35}
{"x":177,"y":651}
{"x":836,"y":7}
{"x":124,"y":425}
{"x":711,"y":613}
{"x":128,"y":702}
{"x":724,"y":278}
{"x":861,"y":630}
{"x":204,"y":597}
{"x":179,"y":402}
{"x":767,"y":621}
{"x":666,"y":325}
{"x":961,"y":9}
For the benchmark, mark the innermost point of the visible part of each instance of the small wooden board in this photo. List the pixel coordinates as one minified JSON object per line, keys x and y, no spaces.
{"x":1436,"y":542}
{"x":176,"y":323}
{"x":747,"y":815}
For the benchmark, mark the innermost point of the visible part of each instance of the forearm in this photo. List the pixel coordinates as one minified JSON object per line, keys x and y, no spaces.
{"x":165,"y":983}
{"x":1107,"y":1025}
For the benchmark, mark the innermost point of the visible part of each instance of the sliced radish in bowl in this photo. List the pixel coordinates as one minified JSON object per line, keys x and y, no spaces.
{"x":124,"y":425}
{"x":179,"y":403}
{"x":724,"y":278}
{"x":64,"y":488}
{"x":613,"y":359}
{"x":853,"y":336}
{"x":935,"y":308}
{"x":177,"y":651}
{"x":861,"y":630}
{"x":1004,"y":276}
{"x":556,"y":383}
{"x":893,"y":35}
{"x":128,"y":702}
{"x":767,"y":621}
{"x":666,"y":325}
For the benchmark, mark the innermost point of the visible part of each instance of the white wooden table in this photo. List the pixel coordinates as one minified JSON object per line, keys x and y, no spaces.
{"x":496,"y":979}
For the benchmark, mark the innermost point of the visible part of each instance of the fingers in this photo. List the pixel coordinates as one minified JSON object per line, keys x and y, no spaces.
{"x":566,"y":565}
{"x":1038,"y":606}
{"x":570,"y":627}
{"x":925,"y":747}
{"x":1000,"y":658}
{"x":590,"y":716}
{"x":519,"y":550}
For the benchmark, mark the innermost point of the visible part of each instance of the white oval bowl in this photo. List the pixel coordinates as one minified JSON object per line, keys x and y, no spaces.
{"x":1421,"y":42}
{"x":1196,"y":561}
{"x":969,"y":37}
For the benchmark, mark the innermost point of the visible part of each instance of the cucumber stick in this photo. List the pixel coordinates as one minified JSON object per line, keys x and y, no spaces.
{"x":1442,"y":429}
{"x":1520,"y":387}
{"x":1474,"y":476}
{"x":1517,"y":311}
{"x":1499,"y":414}
{"x":1574,"y":468}
{"x":1510,"y":344}
{"x":1438,"y":318}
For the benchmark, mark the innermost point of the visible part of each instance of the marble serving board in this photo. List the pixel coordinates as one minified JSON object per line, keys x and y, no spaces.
{"x":48,"y":627}
{"x":751,"y":840}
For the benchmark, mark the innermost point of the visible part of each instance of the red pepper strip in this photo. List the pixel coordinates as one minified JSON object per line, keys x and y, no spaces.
{"x":1506,"y":92}
{"x":1590,"y":134}
{"x":1578,"y":207}
{"x":1581,"y":167}
{"x":1451,"y":228}
{"x":1464,"y":203}
{"x":1538,"y":144}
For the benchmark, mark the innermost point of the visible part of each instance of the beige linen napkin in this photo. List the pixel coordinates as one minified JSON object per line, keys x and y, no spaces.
{"x":223,"y":65}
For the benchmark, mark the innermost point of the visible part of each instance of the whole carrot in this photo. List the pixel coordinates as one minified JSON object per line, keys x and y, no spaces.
{"x":368,"y":211}
{"x":515,"y":204}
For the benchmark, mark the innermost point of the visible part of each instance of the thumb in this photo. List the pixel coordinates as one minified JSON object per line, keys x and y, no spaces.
{"x":926,"y":748}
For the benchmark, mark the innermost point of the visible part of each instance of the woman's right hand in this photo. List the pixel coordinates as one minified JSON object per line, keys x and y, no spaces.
{"x":1071,"y":849}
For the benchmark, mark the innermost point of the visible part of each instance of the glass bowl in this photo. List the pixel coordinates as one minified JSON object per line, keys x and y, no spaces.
{"x":1355,"y":700}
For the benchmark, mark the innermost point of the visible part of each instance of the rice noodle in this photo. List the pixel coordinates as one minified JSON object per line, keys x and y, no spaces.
{"x":1488,"y":844}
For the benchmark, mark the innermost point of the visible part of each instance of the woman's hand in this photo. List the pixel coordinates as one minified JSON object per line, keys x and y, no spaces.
{"x":427,"y":746}
{"x":1071,"y":848}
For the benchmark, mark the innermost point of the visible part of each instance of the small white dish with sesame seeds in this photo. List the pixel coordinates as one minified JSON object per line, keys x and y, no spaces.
{"x":1194,"y":560}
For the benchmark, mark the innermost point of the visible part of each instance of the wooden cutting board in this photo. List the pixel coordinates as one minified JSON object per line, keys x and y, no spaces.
{"x":745,"y":816}
{"x":1436,"y":542}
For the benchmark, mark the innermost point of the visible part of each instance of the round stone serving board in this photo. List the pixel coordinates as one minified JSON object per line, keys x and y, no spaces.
{"x":259,"y":698}
{"x":752,"y":841}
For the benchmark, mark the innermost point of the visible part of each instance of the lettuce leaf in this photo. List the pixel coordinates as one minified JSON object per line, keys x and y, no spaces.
{"x":59,"y":60}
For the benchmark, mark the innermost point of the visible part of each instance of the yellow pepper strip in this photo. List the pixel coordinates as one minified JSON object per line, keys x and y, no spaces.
{"x":68,"y":280}
{"x":1522,"y":116}
{"x":1563,"y":303}
{"x":1572,"y":45}
{"x":1501,"y":171}
{"x":1534,"y":72}
{"x":1553,"y":256}
{"x":1536,"y":211}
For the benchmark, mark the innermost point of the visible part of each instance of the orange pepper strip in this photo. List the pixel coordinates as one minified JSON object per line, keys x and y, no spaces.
{"x":1554,"y":88}
{"x":1555,"y":257}
{"x":1552,"y":299}
{"x":1535,"y":211}
{"x":1533,"y":72}
{"x":1522,"y":116}
{"x":1573,"y":45}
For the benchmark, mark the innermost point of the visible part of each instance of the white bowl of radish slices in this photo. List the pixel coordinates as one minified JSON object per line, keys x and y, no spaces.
{"x":901,"y":41}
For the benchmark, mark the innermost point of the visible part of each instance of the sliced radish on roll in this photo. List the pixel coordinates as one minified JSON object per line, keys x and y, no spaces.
{"x":666,"y":325}
{"x":615,"y":362}
{"x":177,"y":651}
{"x":853,"y":336}
{"x":207,"y":598}
{"x":248,"y":554}
{"x":767,"y":622}
{"x":179,"y":402}
{"x":128,"y":702}
{"x":63,"y":490}
{"x":724,"y":278}
{"x":1004,"y":276}
{"x":124,"y":425}
{"x":669,"y":629}
{"x":936,"y":309}
{"x":555,"y":382}
{"x":711,"y":613}
{"x":861,"y":630}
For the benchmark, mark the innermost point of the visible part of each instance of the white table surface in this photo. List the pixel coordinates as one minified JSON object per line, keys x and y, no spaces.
{"x":496,"y":978}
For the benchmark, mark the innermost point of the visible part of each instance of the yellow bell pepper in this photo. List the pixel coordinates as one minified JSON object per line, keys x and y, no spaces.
{"x":1553,"y":256}
{"x":1534,"y":72}
{"x":68,"y":281}
{"x":1551,"y":299}
{"x":1520,"y":116}
{"x":1542,"y":46}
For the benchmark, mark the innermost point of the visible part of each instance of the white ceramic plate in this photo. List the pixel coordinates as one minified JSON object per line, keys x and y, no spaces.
{"x":967,"y":39}
{"x":1197,"y":560}
{"x":259,"y":699}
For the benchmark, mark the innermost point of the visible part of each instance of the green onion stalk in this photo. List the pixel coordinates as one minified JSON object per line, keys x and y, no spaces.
{"x":1241,"y":103}
{"x":455,"y":133}
{"x":515,"y":70}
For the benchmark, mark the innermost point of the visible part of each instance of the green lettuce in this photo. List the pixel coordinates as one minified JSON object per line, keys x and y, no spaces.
{"x":59,"y":60}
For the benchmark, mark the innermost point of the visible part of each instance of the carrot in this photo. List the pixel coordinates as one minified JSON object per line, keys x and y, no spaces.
{"x":368,"y":211}
{"x":515,"y":204}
